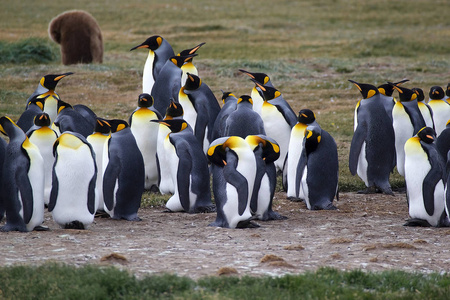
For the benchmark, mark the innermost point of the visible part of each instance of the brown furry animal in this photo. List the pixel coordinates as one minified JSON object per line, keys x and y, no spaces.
{"x":79,"y":35}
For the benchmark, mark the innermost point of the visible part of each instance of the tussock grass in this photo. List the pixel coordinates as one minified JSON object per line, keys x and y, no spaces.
{"x":28,"y":51}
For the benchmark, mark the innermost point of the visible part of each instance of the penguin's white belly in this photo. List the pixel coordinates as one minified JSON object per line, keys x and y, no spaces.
{"x":147,"y":77}
{"x":257,"y":101}
{"x":403,"y":130}
{"x":305,"y":188}
{"x":263,"y":197}
{"x":74,"y":173}
{"x":98,"y":145}
{"x":174,"y":203}
{"x":277,"y":128}
{"x":426,"y":115}
{"x":166,"y":183}
{"x":361,"y":170}
{"x":295,"y":151}
{"x":441,"y":114}
{"x":231,"y":208}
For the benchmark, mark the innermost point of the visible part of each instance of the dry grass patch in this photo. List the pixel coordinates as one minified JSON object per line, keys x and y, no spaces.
{"x":294,"y":247}
{"x":340,"y":240}
{"x":226,"y":271}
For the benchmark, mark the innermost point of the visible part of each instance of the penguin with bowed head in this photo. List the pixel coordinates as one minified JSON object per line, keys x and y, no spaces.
{"x":44,"y":137}
{"x":123,"y":176}
{"x":69,"y":119}
{"x":146,"y":135}
{"x":229,"y":101}
{"x":244,"y":120}
{"x":372,"y":150}
{"x":159,"y":51}
{"x":266,"y":151}
{"x":72,"y":199}
{"x":22,"y":181}
{"x":233,"y":170}
{"x":318,"y":169}
{"x":35,"y":107}
{"x":188,"y":167}
{"x":425,"y":180}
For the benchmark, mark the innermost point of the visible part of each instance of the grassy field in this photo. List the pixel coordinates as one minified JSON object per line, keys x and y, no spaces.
{"x":309,"y":49}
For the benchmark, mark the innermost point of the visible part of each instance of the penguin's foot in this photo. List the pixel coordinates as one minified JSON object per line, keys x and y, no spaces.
{"x":41,"y":228}
{"x":417,"y":223}
{"x":369,"y":190}
{"x":271,"y":215}
{"x":102,"y":214}
{"x":205,"y":209}
{"x":295,"y":199}
{"x":133,"y":218}
{"x":74,"y":225}
{"x":247,"y":224}
{"x":9,"y":227}
{"x":154,"y":189}
{"x":328,"y":206}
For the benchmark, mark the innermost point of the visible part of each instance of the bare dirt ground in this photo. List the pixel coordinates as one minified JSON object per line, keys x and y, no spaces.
{"x":366,"y":232}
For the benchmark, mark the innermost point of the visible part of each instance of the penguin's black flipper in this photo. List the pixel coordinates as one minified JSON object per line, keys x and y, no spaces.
{"x":26,"y":193}
{"x":237,"y":180}
{"x":436,"y":173}
{"x":285,"y":172}
{"x":417,"y":223}
{"x":91,"y":193}
{"x":109,"y":181}
{"x":300,"y":168}
{"x":288,"y":114}
{"x":55,"y":185}
{"x":359,"y":136}
{"x":184,"y":167}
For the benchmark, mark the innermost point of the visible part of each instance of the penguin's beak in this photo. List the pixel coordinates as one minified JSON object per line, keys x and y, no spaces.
{"x":139,"y":47}
{"x":62,"y":76}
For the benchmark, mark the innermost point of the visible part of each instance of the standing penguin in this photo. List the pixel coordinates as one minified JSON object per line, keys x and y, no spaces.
{"x":278,"y":118}
{"x":306,"y":117}
{"x":244,"y":120}
{"x":159,"y":51}
{"x":234,"y":171}
{"x":443,"y":142}
{"x":165,"y":184}
{"x":34,"y":108}
{"x":69,"y":119}
{"x":44,"y":137}
{"x":123,"y":175}
{"x":256,"y":92}
{"x":3,"y":145}
{"x":425,"y":179}
{"x":425,"y":109}
{"x":372,"y":150}
{"x":407,"y":121}
{"x":386,"y":90}
{"x":200,"y":108}
{"x":189,"y":169}
{"x":146,"y":135}
{"x":23,"y":180}
{"x":229,"y":101}
{"x":168,"y":83}
{"x":318,"y":169}
{"x":441,"y":109}
{"x":189,"y":66}
{"x":72,"y":199}
{"x":266,"y":152}
{"x":46,"y":89}
{"x":98,"y":141}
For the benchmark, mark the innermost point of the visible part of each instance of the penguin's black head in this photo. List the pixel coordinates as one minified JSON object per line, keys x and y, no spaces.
{"x":367,"y":90}
{"x":145,"y":100}
{"x":269,"y":93}
{"x":306,"y":116}
{"x":245,"y":98}
{"x":102,"y":126}
{"x":190,"y":51}
{"x":152,"y":43}
{"x":405,"y":94}
{"x":175,"y":125}
{"x":42,"y":119}
{"x":117,"y":125}
{"x":420,"y":94}
{"x":270,"y":148}
{"x":193,"y":82}
{"x":427,"y":135}
{"x":174,"y":110}
{"x":63,"y":105}
{"x":51,"y":80}
{"x":262,"y":78}
{"x":37,"y":100}
{"x":447,"y":91}
{"x":313,"y":136}
{"x":227,"y":96}
{"x":436,"y":93}
{"x":180,"y":60}
{"x":387,"y":89}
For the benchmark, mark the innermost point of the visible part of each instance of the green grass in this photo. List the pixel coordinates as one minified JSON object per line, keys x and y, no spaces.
{"x":309,"y":49}
{"x":55,"y":281}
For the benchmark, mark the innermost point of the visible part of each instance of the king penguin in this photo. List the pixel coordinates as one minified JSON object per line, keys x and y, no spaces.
{"x":244,"y":120}
{"x":98,"y":140}
{"x":256,"y":93}
{"x":229,"y":105}
{"x":200,"y":108}
{"x":3,"y":145}
{"x":189,"y":66}
{"x":441,"y":109}
{"x":72,"y":199}
{"x":425,"y":179}
{"x":69,"y":119}
{"x":318,"y":169}
{"x":165,"y":184}
{"x":146,"y":135}
{"x":23,"y":180}
{"x":44,"y":137}
{"x":159,"y":51}
{"x":372,"y":150}
{"x":443,"y":142}
{"x":233,"y":171}
{"x":407,"y":121}
{"x":306,"y":117}
{"x":386,"y":90}
{"x":168,"y":83}
{"x":46,"y":89}
{"x":189,"y":169}
{"x":123,"y":175}
{"x":278,"y":118}
{"x":425,"y":109}
{"x":34,"y":108}
{"x":266,"y":151}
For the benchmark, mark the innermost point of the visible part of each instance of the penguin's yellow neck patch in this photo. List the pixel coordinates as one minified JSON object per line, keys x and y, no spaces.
{"x":70,"y":141}
{"x":50,"y":94}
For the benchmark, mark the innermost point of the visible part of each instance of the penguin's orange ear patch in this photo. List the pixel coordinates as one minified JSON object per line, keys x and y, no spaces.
{"x":370,"y":93}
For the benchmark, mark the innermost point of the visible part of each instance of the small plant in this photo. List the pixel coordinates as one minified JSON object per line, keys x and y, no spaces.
{"x":30,"y":50}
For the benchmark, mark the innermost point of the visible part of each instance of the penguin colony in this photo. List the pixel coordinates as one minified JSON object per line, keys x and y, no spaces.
{"x":78,"y":165}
